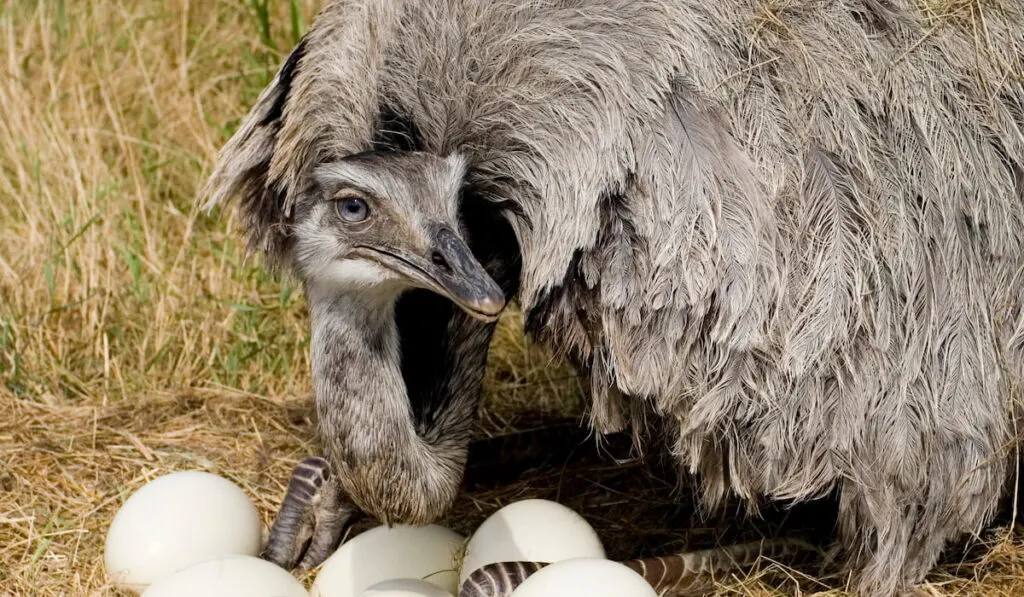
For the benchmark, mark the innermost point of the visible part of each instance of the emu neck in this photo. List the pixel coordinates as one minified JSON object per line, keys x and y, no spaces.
{"x":392,"y":466}
{"x":356,"y":364}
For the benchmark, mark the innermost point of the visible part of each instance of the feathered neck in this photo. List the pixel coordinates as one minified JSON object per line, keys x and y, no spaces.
{"x":401,"y":461}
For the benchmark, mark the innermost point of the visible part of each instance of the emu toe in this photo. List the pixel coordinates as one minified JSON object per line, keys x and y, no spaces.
{"x":313,"y":517}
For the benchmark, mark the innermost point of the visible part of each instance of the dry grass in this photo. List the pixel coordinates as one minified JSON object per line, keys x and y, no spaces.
{"x":135,"y":339}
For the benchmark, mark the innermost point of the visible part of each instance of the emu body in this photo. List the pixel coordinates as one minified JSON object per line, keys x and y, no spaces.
{"x":793,"y":231}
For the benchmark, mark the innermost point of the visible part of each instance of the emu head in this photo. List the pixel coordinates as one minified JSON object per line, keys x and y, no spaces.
{"x":379,"y":224}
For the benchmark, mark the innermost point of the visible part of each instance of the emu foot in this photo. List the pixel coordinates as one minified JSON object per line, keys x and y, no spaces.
{"x":312,"y":520}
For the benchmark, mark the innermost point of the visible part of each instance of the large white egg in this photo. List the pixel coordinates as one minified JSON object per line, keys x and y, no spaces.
{"x":387,"y":553}
{"x":177,"y":520}
{"x":530,"y":531}
{"x":404,"y":587}
{"x":233,"y":576}
{"x":585,"y":577}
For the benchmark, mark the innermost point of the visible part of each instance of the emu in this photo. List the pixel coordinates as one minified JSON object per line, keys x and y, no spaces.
{"x":790,"y":233}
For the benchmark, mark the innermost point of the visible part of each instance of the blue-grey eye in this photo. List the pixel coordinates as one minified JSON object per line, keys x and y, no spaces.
{"x":353,"y":209}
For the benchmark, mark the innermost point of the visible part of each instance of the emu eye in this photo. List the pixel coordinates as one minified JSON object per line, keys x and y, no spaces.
{"x":353,"y":209}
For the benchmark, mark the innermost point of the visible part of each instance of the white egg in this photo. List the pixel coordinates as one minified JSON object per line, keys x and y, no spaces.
{"x":585,"y":577}
{"x":404,"y":587}
{"x":386,"y":553}
{"x":178,"y":520}
{"x":233,"y":576}
{"x":531,"y":531}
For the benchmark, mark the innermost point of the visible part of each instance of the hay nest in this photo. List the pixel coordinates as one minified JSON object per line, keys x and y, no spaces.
{"x":66,"y":469}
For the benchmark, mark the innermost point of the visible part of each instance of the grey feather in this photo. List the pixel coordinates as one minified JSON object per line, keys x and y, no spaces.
{"x":794,"y":229}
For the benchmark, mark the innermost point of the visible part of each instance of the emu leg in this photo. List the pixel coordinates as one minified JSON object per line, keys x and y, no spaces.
{"x":315,"y":512}
{"x":312,"y":519}
{"x":689,"y":573}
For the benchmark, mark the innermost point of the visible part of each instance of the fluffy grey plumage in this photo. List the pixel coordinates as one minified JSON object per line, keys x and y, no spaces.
{"x":794,"y":228}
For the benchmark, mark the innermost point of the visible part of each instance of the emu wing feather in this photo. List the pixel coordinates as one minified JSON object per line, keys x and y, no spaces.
{"x":836,"y":224}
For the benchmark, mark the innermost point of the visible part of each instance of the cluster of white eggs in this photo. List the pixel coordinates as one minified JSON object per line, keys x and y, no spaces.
{"x":195,"y":534}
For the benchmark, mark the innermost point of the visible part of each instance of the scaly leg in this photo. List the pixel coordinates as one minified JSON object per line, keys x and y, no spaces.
{"x":315,"y":512}
{"x":312,"y":519}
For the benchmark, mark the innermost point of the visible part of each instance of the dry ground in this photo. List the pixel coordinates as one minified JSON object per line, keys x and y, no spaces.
{"x":135,"y":339}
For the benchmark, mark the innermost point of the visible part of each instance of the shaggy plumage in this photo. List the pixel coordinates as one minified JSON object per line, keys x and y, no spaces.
{"x":793,"y":227}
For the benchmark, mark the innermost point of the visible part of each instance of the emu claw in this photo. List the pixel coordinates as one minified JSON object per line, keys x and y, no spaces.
{"x":313,"y":517}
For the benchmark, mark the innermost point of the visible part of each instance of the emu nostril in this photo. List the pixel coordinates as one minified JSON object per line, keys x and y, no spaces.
{"x":440,"y":261}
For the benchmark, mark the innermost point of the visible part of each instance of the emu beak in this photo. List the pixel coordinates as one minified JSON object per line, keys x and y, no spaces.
{"x":449,"y":269}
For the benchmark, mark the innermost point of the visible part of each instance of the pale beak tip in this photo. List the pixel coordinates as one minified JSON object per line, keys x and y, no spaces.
{"x":489,"y":309}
